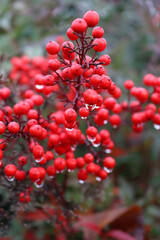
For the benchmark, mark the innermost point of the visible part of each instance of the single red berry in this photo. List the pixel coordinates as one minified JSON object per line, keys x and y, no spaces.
{"x":1,"y":154}
{"x":82,"y":175}
{"x":115,"y":120}
{"x":52,"y":47}
{"x":88,"y":157}
{"x":76,"y":69}
{"x":103,"y":174}
{"x":34,"y":174}
{"x":5,"y":92}
{"x":83,"y":112}
{"x":109,"y":162}
{"x":71,"y":35}
{"x":38,"y":99}
{"x":48,"y":80}
{"x":92,"y":18}
{"x":10,"y":170}
{"x":51,"y":171}
{"x":13,"y":127}
{"x":70,"y":115}
{"x":80,"y":162}
{"x":49,"y":155}
{"x":95,"y":80}
{"x":54,"y":64}
{"x":128,"y":84}
{"x":22,"y":160}
{"x":109,"y":103}
{"x":38,"y":151}
{"x":71,"y":164}
{"x":92,"y":132}
{"x":2,"y":127}
{"x":98,"y":32}
{"x":100,"y":44}
{"x":59,"y":164}
{"x":36,"y":130}
{"x":105,"y":60}
{"x":90,"y":97}
{"x":20,"y":175}
{"x":105,"y":82}
{"x":79,"y":25}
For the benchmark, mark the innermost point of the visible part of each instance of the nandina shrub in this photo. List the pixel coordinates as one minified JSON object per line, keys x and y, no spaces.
{"x":54,"y":119}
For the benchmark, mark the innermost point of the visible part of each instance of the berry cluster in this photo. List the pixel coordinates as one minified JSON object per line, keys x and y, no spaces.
{"x":63,"y":102}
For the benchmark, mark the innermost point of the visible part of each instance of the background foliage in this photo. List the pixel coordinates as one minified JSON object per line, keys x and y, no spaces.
{"x":132,"y":31}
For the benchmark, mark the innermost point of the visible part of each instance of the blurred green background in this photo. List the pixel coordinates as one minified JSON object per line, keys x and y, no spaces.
{"x":132,"y":31}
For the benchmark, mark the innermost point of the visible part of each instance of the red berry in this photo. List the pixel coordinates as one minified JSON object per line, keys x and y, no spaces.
{"x":71,"y":35}
{"x":34,"y":174}
{"x":100,"y":44}
{"x":79,"y":25}
{"x":2,"y":127}
{"x":13,"y":127}
{"x":59,"y":164}
{"x":82,"y":174}
{"x":115,"y":120}
{"x":10,"y":170}
{"x":70,"y":115}
{"x":105,"y":60}
{"x":51,"y":171}
{"x":52,"y":47}
{"x":92,"y":132}
{"x":128,"y":84}
{"x":88,"y":157}
{"x":22,"y":160}
{"x":71,"y":164}
{"x":95,"y":80}
{"x":92,"y":18}
{"x":83,"y":112}
{"x":20,"y":175}
{"x":109,"y":162}
{"x":90,"y":97}
{"x":105,"y":82}
{"x":98,"y":32}
{"x":109,"y":103}
{"x":38,"y":151}
{"x":54,"y":64}
{"x":48,"y":80}
{"x":36,"y":130}
{"x":103,"y":174}
{"x":80,"y":162}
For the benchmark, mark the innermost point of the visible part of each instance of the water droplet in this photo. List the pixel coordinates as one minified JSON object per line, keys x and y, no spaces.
{"x":59,"y":171}
{"x":108,"y":170}
{"x":39,"y":183}
{"x":73,"y":148}
{"x":156,"y":126}
{"x":105,"y":121}
{"x":39,"y":86}
{"x":114,"y":126}
{"x":96,"y":144}
{"x":83,"y":117}
{"x":81,"y":181}
{"x":10,"y":178}
{"x":98,"y":179}
{"x":69,"y":170}
{"x":69,"y":129}
{"x":38,"y":160}
{"x":51,"y":177}
{"x":1,"y":163}
{"x":108,"y":150}
{"x":90,"y":107}
{"x":91,"y":139}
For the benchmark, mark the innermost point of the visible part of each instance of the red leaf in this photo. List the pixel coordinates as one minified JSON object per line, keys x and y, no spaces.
{"x":119,"y":235}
